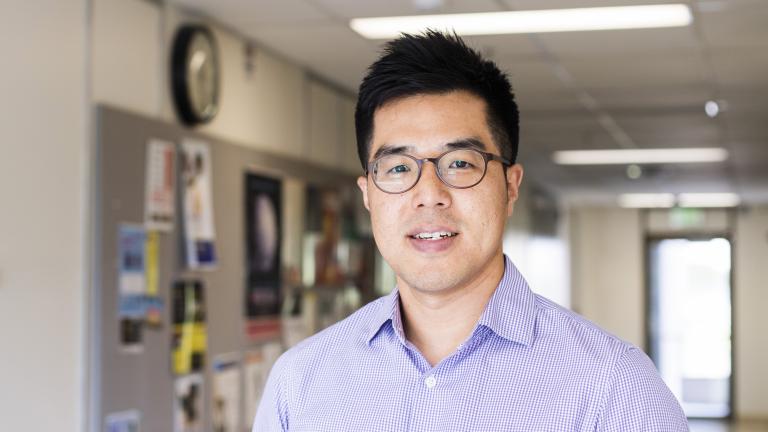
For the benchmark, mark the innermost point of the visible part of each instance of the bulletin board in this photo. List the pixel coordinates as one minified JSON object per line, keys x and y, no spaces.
{"x":141,"y":381}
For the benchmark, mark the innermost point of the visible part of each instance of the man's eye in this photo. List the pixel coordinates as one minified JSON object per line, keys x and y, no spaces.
{"x":397,"y":169}
{"x":460,"y":164}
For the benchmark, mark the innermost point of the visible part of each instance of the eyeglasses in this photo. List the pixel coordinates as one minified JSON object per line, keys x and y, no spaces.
{"x":460,"y":169}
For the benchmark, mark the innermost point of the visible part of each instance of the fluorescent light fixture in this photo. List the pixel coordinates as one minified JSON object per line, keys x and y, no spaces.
{"x":646,"y":200}
{"x":535,"y":21}
{"x":708,"y":200}
{"x":667,"y":200}
{"x":639,"y":156}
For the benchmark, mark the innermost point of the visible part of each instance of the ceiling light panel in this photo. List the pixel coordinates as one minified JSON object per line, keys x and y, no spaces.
{"x":647,"y":200}
{"x":536,"y":21}
{"x":639,"y":156}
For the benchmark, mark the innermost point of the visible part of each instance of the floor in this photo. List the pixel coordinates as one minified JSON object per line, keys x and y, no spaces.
{"x":722,"y":426}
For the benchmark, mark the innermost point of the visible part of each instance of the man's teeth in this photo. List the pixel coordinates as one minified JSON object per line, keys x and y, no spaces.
{"x":434,"y":235}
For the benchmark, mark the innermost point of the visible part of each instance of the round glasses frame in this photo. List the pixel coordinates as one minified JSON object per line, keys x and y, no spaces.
{"x":487,"y":157}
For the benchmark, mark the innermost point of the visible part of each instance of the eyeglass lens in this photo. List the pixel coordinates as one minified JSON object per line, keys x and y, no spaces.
{"x":458,"y":168}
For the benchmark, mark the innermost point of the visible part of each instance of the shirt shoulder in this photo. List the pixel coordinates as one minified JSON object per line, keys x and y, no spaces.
{"x":566,"y":329}
{"x":284,"y":391}
{"x":632,"y":395}
{"x":344,"y":336}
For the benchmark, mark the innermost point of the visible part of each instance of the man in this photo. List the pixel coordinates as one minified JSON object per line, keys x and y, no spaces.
{"x":461,"y":344}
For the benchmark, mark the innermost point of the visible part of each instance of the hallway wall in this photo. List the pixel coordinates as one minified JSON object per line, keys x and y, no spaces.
{"x":44,"y":126}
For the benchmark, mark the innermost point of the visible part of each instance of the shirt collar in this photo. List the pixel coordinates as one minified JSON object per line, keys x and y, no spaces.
{"x":388,"y":309}
{"x":510,"y":313}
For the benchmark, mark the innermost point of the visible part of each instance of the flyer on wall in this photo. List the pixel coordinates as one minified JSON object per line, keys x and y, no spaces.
{"x":190,"y":338}
{"x":226,"y":392}
{"x":197,"y":196}
{"x":154,"y":303}
{"x":124,"y":421}
{"x":188,"y":404}
{"x":159,"y":195}
{"x":131,"y":286}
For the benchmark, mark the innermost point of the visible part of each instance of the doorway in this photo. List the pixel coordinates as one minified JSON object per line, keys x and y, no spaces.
{"x":690,"y":325}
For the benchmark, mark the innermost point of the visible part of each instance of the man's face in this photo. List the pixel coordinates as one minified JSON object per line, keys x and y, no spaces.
{"x":425,"y":126}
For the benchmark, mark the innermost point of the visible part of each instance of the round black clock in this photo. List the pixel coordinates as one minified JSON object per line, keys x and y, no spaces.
{"x":195,"y":74}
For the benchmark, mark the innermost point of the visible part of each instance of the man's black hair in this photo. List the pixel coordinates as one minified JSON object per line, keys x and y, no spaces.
{"x":436,"y":63}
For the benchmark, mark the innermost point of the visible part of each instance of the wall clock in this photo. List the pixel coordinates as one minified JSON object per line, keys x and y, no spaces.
{"x":195,"y":74}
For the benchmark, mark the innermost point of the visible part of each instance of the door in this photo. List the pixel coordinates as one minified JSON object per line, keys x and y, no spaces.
{"x":690,"y":321}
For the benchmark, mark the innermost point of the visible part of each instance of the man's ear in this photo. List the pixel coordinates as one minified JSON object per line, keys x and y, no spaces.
{"x":514,"y":178}
{"x":362,"y":183}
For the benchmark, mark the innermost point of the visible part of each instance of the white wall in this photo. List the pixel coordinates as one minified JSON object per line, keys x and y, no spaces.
{"x":606,"y":270}
{"x":607,"y":251}
{"x":542,"y":260}
{"x":43,"y":168}
{"x":750,"y":294}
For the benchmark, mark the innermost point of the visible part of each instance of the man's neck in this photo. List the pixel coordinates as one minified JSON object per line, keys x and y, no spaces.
{"x":437,"y":322}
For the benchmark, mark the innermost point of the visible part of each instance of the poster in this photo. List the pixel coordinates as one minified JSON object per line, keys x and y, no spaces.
{"x":256,"y":367}
{"x":263,"y":234}
{"x":189,"y":341}
{"x":159,"y":189}
{"x":226,"y":393}
{"x":263,"y":238}
{"x":131,"y":286}
{"x":188,"y":404}
{"x":199,"y":236}
{"x":125,"y":421}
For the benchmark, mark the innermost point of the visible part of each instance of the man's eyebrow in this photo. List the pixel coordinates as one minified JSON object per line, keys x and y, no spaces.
{"x":390,"y":150}
{"x":463,"y":143}
{"x":467,"y":143}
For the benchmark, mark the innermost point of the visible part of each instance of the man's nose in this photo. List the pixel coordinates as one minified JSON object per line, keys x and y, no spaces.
{"x":430,"y":191}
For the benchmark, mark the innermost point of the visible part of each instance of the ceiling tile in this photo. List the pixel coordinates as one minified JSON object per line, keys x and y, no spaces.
{"x":358,"y":9}
{"x":737,"y":23}
{"x":236,"y":12}
{"x":683,"y":69}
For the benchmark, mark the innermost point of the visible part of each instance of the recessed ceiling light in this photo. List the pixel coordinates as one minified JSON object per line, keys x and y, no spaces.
{"x":535,"y":21}
{"x":712,"y":108}
{"x":634,"y":172}
{"x":639,"y":156}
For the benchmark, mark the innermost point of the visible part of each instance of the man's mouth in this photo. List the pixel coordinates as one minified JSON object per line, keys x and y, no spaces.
{"x":433,"y":235}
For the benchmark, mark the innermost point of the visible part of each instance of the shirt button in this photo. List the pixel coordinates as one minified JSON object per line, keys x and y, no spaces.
{"x":430,"y":381}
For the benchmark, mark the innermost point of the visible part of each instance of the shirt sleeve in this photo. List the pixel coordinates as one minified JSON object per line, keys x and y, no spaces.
{"x":638,"y":400}
{"x":272,"y":414}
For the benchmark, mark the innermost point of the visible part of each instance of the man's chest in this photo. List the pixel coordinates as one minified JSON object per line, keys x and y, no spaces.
{"x":473,"y":396}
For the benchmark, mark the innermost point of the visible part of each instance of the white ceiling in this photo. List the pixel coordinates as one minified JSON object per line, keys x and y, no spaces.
{"x":604,"y":89}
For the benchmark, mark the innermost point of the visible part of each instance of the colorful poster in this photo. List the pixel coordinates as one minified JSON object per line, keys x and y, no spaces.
{"x":131,"y":286}
{"x":199,"y":236}
{"x":189,"y":342}
{"x":263,"y":238}
{"x":159,"y":190}
{"x":226,"y":393}
{"x":188,"y":404}
{"x":125,"y":421}
{"x":256,"y":367}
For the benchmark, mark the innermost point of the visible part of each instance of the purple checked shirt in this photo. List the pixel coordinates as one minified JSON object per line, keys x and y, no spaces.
{"x":529,"y":365}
